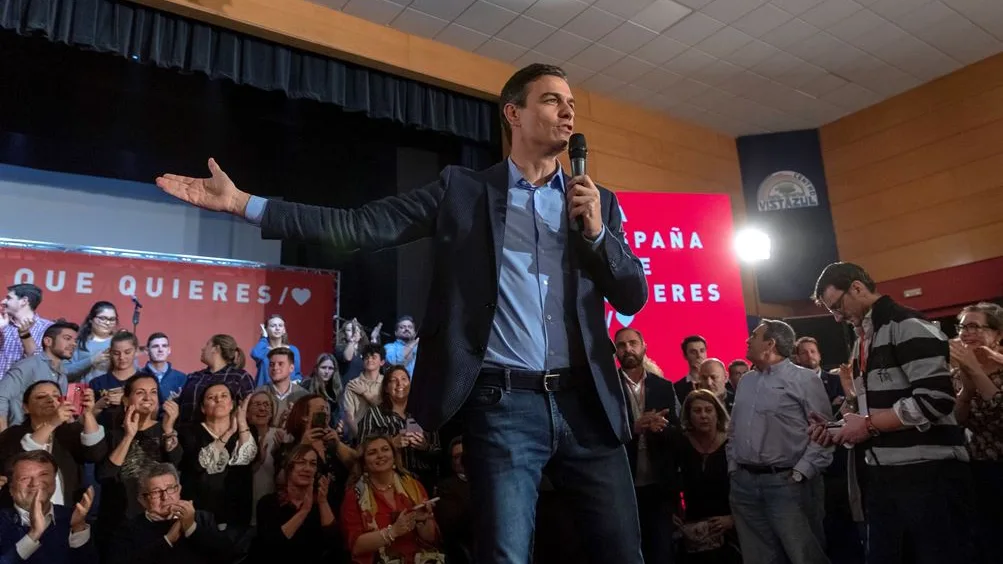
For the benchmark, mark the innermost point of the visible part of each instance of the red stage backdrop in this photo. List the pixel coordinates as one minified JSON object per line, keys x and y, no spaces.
{"x":685,"y":242}
{"x":188,"y":301}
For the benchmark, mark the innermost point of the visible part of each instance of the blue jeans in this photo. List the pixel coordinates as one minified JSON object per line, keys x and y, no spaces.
{"x":511,"y":435}
{"x":778,"y":520}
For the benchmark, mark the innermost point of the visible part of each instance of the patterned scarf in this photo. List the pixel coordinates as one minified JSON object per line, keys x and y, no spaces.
{"x":405,"y":488}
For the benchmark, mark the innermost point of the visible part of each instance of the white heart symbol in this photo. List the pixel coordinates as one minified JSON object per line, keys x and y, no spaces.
{"x":301,"y":295}
{"x":624,"y":319}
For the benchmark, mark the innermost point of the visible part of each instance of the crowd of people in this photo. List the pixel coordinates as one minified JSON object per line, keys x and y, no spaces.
{"x":112,"y":455}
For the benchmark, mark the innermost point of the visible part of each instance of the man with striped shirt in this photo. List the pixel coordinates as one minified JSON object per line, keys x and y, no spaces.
{"x":902,"y":418}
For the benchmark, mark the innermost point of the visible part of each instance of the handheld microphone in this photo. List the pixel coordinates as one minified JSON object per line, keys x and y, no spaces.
{"x":577,"y":152}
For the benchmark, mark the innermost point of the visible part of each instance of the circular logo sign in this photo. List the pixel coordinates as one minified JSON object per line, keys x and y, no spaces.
{"x":786,"y":190}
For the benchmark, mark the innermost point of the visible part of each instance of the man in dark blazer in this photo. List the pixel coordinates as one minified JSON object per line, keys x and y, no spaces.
{"x":37,"y":530}
{"x":514,"y":340}
{"x":651,"y":406}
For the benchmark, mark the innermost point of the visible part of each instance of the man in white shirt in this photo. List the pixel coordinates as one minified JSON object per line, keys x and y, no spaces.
{"x":36,"y":529}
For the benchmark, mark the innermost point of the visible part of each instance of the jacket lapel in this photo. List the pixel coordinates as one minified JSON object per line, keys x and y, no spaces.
{"x":496,"y":186}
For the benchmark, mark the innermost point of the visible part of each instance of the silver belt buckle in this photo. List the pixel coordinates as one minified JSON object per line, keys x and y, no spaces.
{"x":551,"y":382}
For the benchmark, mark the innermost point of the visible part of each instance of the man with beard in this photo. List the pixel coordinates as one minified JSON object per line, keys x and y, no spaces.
{"x":651,"y":405}
{"x":405,"y":349}
{"x":807,"y":355}
{"x":58,"y":344}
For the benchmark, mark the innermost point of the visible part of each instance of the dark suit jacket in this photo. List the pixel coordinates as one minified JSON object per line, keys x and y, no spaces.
{"x":683,"y":388}
{"x":55,"y":541}
{"x":141,"y":541}
{"x":658,"y":395}
{"x":464,"y":213}
{"x":68,"y":451}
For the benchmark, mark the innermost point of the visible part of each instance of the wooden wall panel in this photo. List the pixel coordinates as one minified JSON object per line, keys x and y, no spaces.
{"x":630,"y":148}
{"x":915,"y":181}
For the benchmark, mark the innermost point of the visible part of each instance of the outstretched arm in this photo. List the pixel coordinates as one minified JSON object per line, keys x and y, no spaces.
{"x":388,"y":222}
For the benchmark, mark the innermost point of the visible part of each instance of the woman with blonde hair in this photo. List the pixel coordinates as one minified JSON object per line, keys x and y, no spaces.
{"x":386,"y":514}
{"x":707,"y":526}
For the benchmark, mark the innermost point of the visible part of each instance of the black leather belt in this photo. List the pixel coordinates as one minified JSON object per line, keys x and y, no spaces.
{"x":754,"y":469}
{"x":532,"y":380}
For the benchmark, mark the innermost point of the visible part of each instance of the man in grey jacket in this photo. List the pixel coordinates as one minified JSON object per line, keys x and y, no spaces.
{"x":58,"y":344}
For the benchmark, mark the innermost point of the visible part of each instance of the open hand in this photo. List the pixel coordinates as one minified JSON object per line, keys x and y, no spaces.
{"x":131,"y":421}
{"x":986,"y":355}
{"x":36,"y":517}
{"x":79,"y":518}
{"x":171,"y":411}
{"x":216,"y":193}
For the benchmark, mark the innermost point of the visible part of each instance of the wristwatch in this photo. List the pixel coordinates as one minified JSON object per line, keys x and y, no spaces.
{"x":798,"y":477}
{"x":870,"y":426}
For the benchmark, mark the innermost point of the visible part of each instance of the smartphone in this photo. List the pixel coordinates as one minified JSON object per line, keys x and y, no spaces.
{"x":834,"y":426}
{"x":412,"y":426}
{"x":318,"y":420}
{"x":75,"y":396}
{"x":422,"y":505}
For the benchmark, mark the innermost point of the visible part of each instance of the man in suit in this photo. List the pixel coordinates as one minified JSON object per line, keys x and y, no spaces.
{"x":37,"y":530}
{"x":807,"y":355}
{"x":651,"y":404}
{"x":514,"y":339}
{"x":695,"y":352}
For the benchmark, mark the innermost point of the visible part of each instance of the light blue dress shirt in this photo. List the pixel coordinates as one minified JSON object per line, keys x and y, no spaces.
{"x":533,"y":318}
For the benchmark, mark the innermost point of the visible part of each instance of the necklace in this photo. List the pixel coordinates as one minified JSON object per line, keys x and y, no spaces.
{"x":380,"y":488}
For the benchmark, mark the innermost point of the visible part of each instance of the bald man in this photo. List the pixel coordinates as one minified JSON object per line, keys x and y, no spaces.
{"x":713,"y":376}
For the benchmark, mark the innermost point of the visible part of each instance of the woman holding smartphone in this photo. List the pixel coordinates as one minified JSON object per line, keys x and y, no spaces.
{"x":308,"y":424}
{"x":297,"y":521}
{"x":387,"y":516}
{"x":420,"y":450}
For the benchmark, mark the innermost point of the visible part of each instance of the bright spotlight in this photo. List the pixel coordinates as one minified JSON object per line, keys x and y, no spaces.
{"x":752,"y":245}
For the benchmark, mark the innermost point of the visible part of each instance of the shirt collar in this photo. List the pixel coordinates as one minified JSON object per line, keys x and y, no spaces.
{"x":279,"y":395}
{"x":25,"y":518}
{"x":515,"y":178}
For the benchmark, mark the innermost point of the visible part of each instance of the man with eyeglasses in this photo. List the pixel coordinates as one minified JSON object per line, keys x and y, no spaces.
{"x":918,"y":499}
{"x":170,"y":530}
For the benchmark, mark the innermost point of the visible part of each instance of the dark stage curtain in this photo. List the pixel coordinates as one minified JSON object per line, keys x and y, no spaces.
{"x":170,"y":41}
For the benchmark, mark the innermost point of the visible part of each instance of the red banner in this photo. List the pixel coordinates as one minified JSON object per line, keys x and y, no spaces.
{"x":188,"y":301}
{"x":685,"y":242}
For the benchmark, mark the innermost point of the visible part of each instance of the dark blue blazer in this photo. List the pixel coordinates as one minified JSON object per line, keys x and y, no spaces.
{"x":658,"y":395}
{"x":464,"y":214}
{"x":55,"y":541}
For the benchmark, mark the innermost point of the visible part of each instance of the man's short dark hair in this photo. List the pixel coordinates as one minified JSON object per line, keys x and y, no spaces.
{"x":373,"y":348}
{"x":782,"y":336}
{"x":737,"y":362}
{"x":155,"y":336}
{"x":516,"y":88}
{"x":692,"y":339}
{"x":58,"y":327}
{"x":803,"y":340}
{"x":27,"y":393}
{"x":841,"y":275}
{"x":39,"y":456}
{"x":30,"y":292}
{"x":286,"y":351}
{"x":623,"y":329}
{"x":122,"y":337}
{"x":404,"y":318}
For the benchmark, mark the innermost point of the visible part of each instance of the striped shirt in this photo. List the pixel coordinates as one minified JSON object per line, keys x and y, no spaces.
{"x":908,"y":372}
{"x":11,"y":349}
{"x":236,"y":379}
{"x":379,"y":421}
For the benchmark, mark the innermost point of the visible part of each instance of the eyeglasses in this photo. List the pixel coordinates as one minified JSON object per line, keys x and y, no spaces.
{"x":837,"y":306}
{"x":970,"y":327}
{"x":168,"y":491}
{"x":105,"y":319}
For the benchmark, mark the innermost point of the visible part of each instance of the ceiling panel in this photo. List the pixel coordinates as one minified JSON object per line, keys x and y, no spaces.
{"x":739,"y":66}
